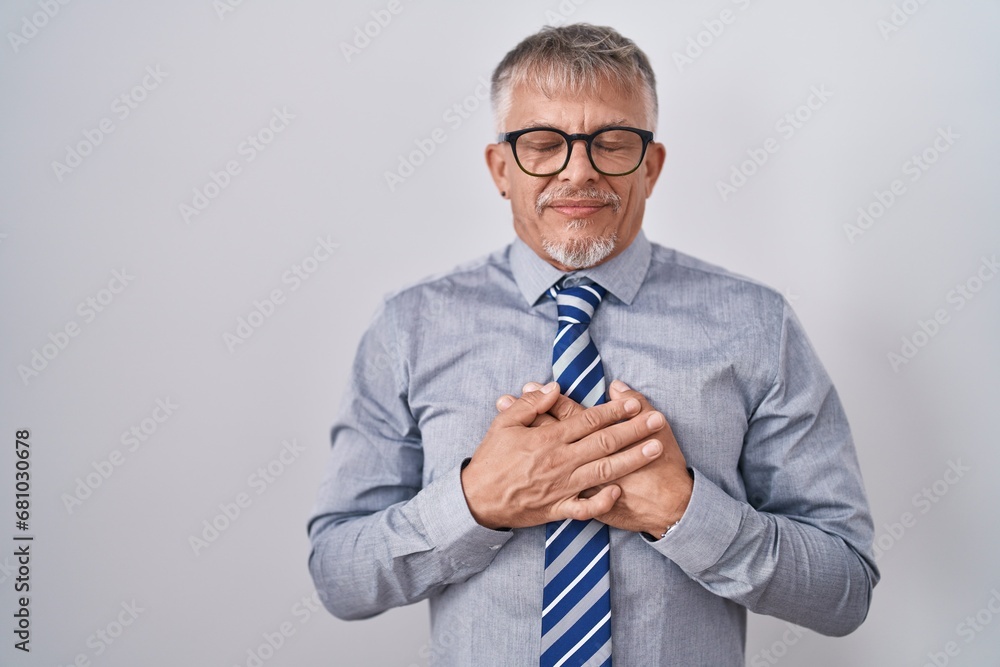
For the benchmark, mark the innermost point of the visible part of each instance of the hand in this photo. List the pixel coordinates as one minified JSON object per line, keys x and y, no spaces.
{"x":656,"y":496}
{"x":652,"y":497}
{"x":527,"y":475}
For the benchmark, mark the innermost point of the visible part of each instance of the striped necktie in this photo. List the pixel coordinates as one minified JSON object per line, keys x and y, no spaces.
{"x":576,"y":600}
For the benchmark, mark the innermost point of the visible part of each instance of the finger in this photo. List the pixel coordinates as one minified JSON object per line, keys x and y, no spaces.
{"x":594,"y":419}
{"x":583,"y":509}
{"x":619,"y":389}
{"x":616,"y":466}
{"x":565,"y":408}
{"x":543,"y":420}
{"x":616,"y":389}
{"x":526,"y":409}
{"x":672,"y":453}
{"x":505,"y":402}
{"x":618,"y":436}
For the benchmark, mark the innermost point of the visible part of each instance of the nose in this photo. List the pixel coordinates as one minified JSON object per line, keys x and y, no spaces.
{"x":579,"y":171}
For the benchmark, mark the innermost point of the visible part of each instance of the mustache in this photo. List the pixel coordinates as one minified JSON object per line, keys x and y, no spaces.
{"x":569,"y":192}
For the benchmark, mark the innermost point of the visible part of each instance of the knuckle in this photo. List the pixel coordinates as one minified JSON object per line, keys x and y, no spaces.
{"x":547,"y":461}
{"x":563,"y":409}
{"x":606,"y":443}
{"x":634,"y":458}
{"x":592,"y":418}
{"x":604,"y":470}
{"x":548,"y":441}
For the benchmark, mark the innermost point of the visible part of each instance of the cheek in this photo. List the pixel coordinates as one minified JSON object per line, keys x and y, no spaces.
{"x":523,"y":203}
{"x":631,"y":197}
{"x":525,"y":196}
{"x":523,"y":212}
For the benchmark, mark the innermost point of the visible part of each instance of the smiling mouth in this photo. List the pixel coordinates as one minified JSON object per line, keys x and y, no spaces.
{"x":577,"y":209}
{"x":576,"y":203}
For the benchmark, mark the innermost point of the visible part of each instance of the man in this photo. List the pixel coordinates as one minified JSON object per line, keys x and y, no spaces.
{"x":690,"y":460}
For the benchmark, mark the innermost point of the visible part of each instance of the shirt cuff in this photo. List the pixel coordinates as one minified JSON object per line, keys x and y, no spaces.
{"x":450,"y":527}
{"x":709,"y":525}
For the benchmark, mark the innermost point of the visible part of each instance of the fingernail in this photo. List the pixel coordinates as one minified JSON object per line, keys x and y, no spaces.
{"x":655,"y":421}
{"x":531,"y":386}
{"x":651,"y":448}
{"x":620,"y":386}
{"x":505,"y":402}
{"x":547,"y":389}
{"x":631,"y":405}
{"x":616,"y":492}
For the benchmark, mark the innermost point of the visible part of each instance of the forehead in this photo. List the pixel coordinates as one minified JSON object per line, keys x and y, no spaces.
{"x":575,"y":110}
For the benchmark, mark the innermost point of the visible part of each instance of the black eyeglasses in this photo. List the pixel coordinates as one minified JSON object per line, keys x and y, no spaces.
{"x":545,"y":151}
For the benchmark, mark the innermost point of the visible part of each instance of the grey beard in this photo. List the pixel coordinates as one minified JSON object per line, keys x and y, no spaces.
{"x":581,"y":253}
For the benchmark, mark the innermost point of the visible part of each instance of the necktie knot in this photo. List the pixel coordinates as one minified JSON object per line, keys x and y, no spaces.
{"x":576,"y":364}
{"x":576,"y":304}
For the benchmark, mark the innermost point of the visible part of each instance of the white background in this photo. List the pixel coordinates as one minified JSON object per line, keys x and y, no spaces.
{"x":323,"y":175}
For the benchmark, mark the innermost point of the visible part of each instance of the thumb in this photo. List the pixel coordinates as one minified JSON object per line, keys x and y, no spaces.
{"x":582,"y":509}
{"x":524,"y":410}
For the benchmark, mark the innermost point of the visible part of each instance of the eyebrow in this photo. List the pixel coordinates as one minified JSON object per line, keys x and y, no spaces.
{"x":532,"y":124}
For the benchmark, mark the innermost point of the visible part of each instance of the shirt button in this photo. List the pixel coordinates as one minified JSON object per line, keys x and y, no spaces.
{"x":494,"y":547}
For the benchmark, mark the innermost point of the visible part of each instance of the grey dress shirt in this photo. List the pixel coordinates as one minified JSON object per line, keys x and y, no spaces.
{"x":778,"y":522}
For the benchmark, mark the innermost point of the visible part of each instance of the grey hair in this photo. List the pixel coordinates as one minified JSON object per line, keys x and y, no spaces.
{"x":579,"y":57}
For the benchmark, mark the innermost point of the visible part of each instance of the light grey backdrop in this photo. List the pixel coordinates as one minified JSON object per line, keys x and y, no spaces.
{"x":121,"y":308}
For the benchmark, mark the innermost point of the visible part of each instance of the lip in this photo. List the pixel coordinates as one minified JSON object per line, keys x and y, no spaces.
{"x":577,"y":209}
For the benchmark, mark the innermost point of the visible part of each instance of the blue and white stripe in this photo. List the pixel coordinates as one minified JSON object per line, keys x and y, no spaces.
{"x":576,"y":600}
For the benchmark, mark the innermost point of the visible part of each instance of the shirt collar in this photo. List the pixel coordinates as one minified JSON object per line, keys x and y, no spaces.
{"x":621,"y":275}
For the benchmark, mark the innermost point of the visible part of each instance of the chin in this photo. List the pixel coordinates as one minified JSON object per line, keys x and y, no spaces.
{"x":581,"y":252}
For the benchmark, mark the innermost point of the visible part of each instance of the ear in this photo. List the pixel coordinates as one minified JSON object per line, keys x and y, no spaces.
{"x":656,"y":155}
{"x":496,"y":162}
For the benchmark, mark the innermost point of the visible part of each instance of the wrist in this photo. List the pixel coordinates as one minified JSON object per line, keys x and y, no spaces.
{"x":670,"y":527}
{"x":673,"y":519}
{"x":477,"y":503}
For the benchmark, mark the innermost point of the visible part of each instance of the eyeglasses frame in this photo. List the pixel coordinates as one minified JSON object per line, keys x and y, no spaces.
{"x":512,"y":137}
